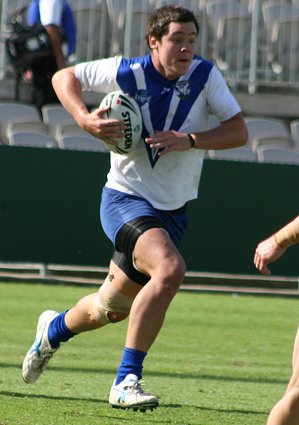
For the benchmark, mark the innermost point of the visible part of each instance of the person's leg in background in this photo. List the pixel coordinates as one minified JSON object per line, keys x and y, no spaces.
{"x":286,"y":411}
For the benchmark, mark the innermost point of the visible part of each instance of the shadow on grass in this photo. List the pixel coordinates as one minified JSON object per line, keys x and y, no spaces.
{"x":50,"y":397}
{"x":97,"y":401}
{"x":243,"y":412}
{"x":194,"y":376}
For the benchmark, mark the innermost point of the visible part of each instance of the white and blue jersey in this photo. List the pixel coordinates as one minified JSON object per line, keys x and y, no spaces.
{"x":183,"y":105}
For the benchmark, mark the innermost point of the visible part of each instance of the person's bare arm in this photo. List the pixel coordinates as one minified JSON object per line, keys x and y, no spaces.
{"x":276,"y":245}
{"x":55,"y":39}
{"x":230,"y":134}
{"x":266,"y":252}
{"x":69,"y":91}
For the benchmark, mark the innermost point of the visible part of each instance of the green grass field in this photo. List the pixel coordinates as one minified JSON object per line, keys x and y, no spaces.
{"x":219,"y":359}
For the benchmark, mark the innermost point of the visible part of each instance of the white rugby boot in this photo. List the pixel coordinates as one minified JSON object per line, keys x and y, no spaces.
{"x":40,"y":352}
{"x":129,"y":394}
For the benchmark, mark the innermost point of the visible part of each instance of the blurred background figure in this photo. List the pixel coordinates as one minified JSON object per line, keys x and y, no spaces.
{"x":57,"y":18}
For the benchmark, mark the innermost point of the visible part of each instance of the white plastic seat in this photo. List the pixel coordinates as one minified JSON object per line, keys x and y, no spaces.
{"x":272,"y":11}
{"x":54,"y":116}
{"x":275,"y":12}
{"x":279,"y":142}
{"x":92,"y":28}
{"x":294,"y":126}
{"x":286,"y":46}
{"x":219,"y":9}
{"x":275,"y":154}
{"x":83,"y":143}
{"x":68,"y":129}
{"x":135,"y":28}
{"x":281,"y":22}
{"x":29,"y":139}
{"x":14,"y":112}
{"x":230,"y":22}
{"x":242,"y":153}
{"x":26,"y":126}
{"x":265,"y":127}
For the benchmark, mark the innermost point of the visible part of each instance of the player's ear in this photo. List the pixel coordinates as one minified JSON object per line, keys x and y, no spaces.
{"x":153,"y":42}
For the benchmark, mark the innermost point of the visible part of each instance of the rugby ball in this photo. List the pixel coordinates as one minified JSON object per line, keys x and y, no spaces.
{"x":124,"y":107}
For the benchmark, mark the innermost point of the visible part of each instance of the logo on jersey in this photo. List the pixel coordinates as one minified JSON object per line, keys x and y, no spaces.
{"x":142,"y":97}
{"x":182,"y":89}
{"x":153,"y":155}
{"x":165,"y":90}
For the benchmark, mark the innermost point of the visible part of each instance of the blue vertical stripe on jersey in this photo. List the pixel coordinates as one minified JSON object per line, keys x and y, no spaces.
{"x":125,"y":77}
{"x":197,"y":81}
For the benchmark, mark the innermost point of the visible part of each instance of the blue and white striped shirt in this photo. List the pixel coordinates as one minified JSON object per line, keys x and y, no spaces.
{"x":183,"y":104}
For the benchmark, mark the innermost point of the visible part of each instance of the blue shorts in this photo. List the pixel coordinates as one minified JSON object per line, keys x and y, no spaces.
{"x":118,"y":208}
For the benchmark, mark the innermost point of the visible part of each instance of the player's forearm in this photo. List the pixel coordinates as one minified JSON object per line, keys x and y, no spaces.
{"x":288,"y":235}
{"x":230,"y":134}
{"x":69,"y":92}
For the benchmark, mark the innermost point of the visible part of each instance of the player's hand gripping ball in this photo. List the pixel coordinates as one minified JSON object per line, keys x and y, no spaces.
{"x":124,"y":107}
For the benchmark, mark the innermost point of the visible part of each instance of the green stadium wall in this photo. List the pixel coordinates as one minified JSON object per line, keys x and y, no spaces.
{"x":49,"y":202}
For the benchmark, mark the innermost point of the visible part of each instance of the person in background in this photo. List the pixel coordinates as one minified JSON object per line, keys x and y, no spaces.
{"x":57,"y":18}
{"x":286,"y":411}
{"x":144,"y":202}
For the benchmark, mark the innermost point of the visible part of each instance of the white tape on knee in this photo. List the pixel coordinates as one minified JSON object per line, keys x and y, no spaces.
{"x":110,"y":300}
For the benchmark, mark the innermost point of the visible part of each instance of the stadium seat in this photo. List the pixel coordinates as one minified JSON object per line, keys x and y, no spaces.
{"x":26,"y":126}
{"x":55,"y":116}
{"x":16,"y":112}
{"x":271,"y":140}
{"x":134,"y":43}
{"x":30,"y":139}
{"x":68,"y":129}
{"x":219,"y":9}
{"x":117,"y":16}
{"x":14,"y":5}
{"x":281,"y":22}
{"x":294,"y":126}
{"x":280,"y":142}
{"x":265,"y":127}
{"x":230,"y":22}
{"x":275,"y":154}
{"x":83,"y":143}
{"x":272,"y":11}
{"x":92,"y":24}
{"x":242,"y":153}
{"x":286,"y":46}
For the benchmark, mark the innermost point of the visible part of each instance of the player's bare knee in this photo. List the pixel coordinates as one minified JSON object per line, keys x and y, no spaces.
{"x":172,"y":275}
{"x":174,"y":270}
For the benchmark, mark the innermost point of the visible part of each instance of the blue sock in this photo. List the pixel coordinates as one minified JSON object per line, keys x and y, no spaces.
{"x":131,"y":363}
{"x":58,"y":331}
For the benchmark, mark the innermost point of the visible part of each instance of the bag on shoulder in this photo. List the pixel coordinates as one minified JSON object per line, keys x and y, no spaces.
{"x":27,"y":45}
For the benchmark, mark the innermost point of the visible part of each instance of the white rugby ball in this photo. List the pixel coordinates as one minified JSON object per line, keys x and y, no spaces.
{"x":124,"y":107}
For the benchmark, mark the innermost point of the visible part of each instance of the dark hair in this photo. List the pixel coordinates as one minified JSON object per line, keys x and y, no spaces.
{"x":159,"y":21}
